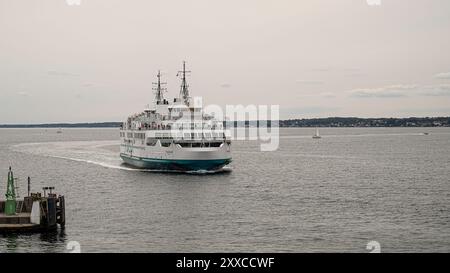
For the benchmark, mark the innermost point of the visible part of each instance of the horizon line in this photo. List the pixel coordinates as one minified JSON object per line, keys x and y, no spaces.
{"x":109,"y":122}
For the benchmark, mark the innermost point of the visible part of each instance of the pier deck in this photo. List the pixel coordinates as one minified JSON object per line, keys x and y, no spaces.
{"x":18,"y":227}
{"x":19,"y":218}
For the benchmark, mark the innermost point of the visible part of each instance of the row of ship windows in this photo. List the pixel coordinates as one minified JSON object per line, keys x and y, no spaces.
{"x":179,"y":126}
{"x":188,"y":145}
{"x":197,"y":126}
{"x":152,"y":142}
{"x":136,"y":135}
{"x":178,"y":135}
{"x":180,"y":110}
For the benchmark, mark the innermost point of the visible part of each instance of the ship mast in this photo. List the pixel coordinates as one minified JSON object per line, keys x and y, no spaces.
{"x":184,"y":91}
{"x":159,"y":94}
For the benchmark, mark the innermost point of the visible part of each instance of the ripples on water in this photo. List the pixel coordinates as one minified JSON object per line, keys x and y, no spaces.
{"x":101,"y":153}
{"x":333,"y":194}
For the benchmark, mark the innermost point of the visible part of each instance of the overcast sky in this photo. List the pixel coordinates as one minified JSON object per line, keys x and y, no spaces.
{"x":315,"y":58}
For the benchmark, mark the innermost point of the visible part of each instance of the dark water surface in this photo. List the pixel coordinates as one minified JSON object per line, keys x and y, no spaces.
{"x":391,"y":185}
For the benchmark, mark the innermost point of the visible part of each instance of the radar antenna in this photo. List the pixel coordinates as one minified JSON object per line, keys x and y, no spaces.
{"x":159,"y":90}
{"x":184,"y":91}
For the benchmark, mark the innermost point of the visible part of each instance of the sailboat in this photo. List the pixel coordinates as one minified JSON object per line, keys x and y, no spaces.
{"x":316,"y":135}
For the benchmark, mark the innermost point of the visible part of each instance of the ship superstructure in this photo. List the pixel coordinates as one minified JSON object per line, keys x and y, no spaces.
{"x":175,"y":136}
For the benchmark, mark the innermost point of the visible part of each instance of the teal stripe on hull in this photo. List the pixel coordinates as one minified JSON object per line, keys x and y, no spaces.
{"x":175,"y":164}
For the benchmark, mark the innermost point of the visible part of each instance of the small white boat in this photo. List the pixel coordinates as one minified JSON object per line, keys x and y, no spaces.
{"x":317,"y":135}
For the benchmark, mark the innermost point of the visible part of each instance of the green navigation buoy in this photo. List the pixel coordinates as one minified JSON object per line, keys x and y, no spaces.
{"x":10,"y":206}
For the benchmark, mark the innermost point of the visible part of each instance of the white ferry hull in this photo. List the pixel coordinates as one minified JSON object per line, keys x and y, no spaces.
{"x":176,"y":158}
{"x":175,"y":164}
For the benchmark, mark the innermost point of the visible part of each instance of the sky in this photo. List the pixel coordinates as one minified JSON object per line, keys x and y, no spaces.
{"x":315,"y":58}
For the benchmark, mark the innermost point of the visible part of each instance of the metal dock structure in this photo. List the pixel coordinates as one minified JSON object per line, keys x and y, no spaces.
{"x":35,"y":213}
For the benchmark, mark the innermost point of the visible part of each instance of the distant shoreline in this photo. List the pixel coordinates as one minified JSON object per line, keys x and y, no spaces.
{"x":63,"y":125}
{"x":290,"y":123}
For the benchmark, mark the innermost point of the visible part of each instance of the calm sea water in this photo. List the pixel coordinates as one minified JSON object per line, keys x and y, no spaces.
{"x":336,"y":194}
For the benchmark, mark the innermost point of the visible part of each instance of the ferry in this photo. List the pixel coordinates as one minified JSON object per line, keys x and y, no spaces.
{"x":175,"y":136}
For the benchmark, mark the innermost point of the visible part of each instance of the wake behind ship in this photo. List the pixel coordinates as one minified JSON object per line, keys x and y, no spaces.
{"x":175,"y":137}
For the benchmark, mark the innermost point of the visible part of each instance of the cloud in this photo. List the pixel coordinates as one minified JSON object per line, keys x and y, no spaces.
{"x":392,"y":91}
{"x":327,"y":95}
{"x":356,"y":74}
{"x":309,"y":82}
{"x":320,"y":69}
{"x":294,"y":112}
{"x":61,"y":74}
{"x":23,"y":93}
{"x":225,"y":85}
{"x":443,"y":76}
{"x":398,"y":91}
{"x":442,"y":90}
{"x":425,"y":111}
{"x":351,"y":68}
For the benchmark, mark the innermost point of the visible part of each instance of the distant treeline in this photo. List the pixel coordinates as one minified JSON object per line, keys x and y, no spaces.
{"x":368,"y":122}
{"x":65,"y":125}
{"x":319,"y":122}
